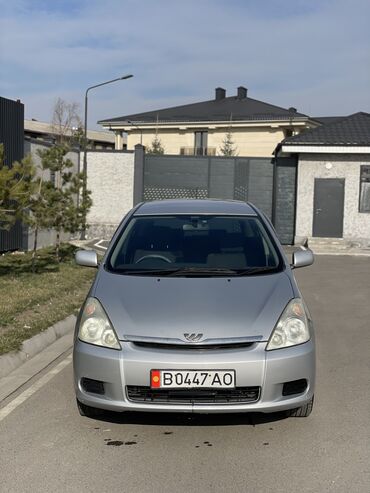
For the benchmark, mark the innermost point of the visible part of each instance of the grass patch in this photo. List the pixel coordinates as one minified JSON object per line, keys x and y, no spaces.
{"x":31,"y":302}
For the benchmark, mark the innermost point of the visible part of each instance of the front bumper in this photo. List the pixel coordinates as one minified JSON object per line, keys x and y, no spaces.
{"x":254,"y":366}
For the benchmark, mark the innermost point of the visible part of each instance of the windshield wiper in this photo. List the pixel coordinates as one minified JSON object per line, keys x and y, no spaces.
{"x":218,"y":271}
{"x":146,"y":272}
{"x":203,"y":271}
{"x":196,"y":271}
{"x":178,"y":271}
{"x":256,"y":270}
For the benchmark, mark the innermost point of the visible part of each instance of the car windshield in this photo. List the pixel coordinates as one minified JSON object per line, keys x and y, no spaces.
{"x":191,"y":245}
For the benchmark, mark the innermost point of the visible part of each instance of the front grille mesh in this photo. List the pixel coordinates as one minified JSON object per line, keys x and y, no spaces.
{"x":192,"y":396}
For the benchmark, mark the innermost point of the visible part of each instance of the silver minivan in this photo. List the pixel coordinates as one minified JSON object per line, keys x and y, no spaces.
{"x":194,"y":308}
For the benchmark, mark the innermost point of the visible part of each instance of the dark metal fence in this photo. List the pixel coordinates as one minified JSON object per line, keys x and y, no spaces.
{"x":269,"y":184}
{"x":12,"y":136}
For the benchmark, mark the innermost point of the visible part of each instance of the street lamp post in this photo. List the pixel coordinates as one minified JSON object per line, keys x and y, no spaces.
{"x":84,"y":187}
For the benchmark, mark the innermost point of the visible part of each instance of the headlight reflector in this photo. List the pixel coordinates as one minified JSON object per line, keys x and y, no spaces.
{"x":292,"y":328}
{"x":95,"y":327}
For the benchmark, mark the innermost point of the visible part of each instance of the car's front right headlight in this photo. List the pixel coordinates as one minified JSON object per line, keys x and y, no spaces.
{"x":292,"y":328}
{"x":95,"y":327}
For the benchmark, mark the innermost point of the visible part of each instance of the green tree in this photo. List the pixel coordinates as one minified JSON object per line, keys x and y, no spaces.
{"x":16,"y":188}
{"x":228,"y":147}
{"x":156,"y":147}
{"x":59,"y":204}
{"x":78,"y":139}
{"x":37,"y":216}
{"x":46,"y":196}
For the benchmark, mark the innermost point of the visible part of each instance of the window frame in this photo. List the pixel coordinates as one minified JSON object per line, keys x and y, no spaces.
{"x":203,"y":137}
{"x":361,"y":181}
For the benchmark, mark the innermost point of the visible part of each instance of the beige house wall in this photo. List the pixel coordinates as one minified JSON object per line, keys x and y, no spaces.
{"x":171,"y":139}
{"x":356,"y":225}
{"x":257,"y":142}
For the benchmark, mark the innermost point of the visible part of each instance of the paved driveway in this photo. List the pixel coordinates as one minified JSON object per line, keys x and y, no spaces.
{"x":46,"y":446}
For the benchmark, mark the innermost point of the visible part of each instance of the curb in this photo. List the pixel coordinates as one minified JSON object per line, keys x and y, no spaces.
{"x":345,"y":253}
{"x":34,"y":345}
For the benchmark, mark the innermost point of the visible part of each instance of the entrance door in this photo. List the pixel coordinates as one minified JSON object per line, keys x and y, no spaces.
{"x":328,"y":208}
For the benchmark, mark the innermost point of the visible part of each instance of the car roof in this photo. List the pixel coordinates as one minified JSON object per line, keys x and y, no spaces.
{"x":193,"y":206}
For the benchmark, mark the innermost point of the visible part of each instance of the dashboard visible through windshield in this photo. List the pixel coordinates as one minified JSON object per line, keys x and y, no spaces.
{"x":204,"y":245}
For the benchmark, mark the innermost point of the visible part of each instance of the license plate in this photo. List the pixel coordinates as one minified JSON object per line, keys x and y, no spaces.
{"x":191,"y":379}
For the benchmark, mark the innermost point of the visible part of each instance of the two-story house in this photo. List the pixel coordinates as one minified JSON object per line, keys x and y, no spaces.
{"x":255,"y":128}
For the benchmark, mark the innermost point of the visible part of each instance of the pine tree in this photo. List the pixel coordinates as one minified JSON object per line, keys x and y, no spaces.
{"x":61,"y":205}
{"x":156,"y":147}
{"x":228,"y":148}
{"x":16,"y":188}
{"x":47,"y":196}
{"x":78,"y":139}
{"x":38,"y":211}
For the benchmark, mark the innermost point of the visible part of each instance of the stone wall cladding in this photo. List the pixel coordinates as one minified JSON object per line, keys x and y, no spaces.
{"x":101,"y":231}
{"x":110,"y":177}
{"x":356,"y":225}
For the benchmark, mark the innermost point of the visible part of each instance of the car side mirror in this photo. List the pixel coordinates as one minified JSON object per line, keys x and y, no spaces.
{"x":87,"y":258}
{"x":302,"y":258}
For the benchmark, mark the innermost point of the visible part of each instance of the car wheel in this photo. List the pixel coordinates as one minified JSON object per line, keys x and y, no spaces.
{"x":88,"y":411}
{"x":302,"y":412}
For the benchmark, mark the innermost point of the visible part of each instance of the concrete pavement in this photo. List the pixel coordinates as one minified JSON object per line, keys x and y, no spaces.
{"x":46,"y":446}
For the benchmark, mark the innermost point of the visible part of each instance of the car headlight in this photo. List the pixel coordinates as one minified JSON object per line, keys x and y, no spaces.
{"x":95,"y":327}
{"x":292,"y":328}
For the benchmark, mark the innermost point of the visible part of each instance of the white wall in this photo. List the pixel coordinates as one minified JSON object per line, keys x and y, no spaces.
{"x":110,"y":177}
{"x":356,"y":225}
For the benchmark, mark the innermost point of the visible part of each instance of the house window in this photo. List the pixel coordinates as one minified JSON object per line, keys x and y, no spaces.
{"x":200,"y":143}
{"x":53,"y":177}
{"x":365,"y":188}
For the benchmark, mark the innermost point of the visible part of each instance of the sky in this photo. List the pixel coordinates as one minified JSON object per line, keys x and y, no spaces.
{"x":310,"y":54}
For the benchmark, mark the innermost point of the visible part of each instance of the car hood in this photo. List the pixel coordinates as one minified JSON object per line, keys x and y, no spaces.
{"x":217,"y":307}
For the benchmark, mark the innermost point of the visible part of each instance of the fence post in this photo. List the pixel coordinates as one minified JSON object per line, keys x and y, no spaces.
{"x":139,"y":173}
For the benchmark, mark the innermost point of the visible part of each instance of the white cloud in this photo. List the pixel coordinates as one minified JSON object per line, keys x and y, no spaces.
{"x":316,"y":58}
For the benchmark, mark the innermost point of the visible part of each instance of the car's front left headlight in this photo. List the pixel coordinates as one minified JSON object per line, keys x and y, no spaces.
{"x":292,"y":328}
{"x":95,"y":327}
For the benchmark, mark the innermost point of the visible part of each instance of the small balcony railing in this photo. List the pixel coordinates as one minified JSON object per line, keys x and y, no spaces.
{"x":198,"y":151}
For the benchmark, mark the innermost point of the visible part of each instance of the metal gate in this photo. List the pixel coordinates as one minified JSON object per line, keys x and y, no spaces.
{"x":267,"y":183}
{"x":12,"y":137}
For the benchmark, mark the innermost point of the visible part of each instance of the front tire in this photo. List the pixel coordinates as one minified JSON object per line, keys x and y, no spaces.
{"x":302,"y":412}
{"x":88,"y":411}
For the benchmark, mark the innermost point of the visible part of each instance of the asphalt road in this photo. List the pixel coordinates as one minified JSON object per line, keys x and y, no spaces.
{"x":46,"y":446}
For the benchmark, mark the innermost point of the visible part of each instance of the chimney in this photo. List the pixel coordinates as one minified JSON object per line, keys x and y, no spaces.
{"x":242,"y":92}
{"x":220,"y":93}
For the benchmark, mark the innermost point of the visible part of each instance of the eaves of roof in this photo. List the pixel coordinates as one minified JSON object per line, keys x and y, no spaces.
{"x":224,"y":110}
